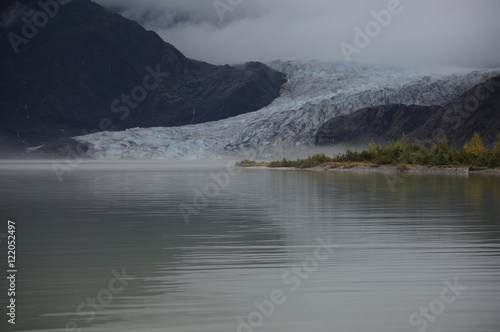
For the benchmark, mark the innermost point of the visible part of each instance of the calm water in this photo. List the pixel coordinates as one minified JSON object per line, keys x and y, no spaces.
{"x":315,"y":251}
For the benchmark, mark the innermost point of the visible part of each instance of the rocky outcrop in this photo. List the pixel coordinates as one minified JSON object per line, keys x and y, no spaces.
{"x":61,"y":148}
{"x":88,"y":70}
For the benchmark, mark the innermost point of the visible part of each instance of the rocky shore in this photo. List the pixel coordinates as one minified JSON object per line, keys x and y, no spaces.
{"x":407,"y":169}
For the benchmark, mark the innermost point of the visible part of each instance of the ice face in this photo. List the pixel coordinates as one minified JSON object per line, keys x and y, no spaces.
{"x":315,"y":92}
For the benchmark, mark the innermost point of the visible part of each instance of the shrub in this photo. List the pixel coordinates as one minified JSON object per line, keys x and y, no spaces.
{"x":348,"y":156}
{"x":373,"y":148}
{"x":496,"y":148}
{"x":383,"y":160}
{"x":367,"y":156}
{"x":400,"y":153}
{"x":246,"y":163}
{"x":283,"y":163}
{"x":313,"y":161}
{"x":397,"y":151}
{"x":441,"y":145}
{"x":440,"y":157}
{"x":440,"y":154}
{"x":419,"y":157}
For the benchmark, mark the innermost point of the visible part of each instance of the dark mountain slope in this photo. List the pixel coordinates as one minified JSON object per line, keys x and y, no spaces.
{"x":380,"y":123}
{"x":88,"y":69}
{"x":476,"y":110}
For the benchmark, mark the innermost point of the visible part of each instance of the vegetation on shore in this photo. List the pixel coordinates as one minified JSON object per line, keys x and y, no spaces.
{"x":401,"y":153}
{"x":248,"y":163}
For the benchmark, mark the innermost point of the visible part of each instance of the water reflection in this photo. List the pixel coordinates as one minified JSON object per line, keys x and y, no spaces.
{"x":395,"y":248}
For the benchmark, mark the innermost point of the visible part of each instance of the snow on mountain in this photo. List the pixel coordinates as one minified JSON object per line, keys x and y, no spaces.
{"x":315,"y":92}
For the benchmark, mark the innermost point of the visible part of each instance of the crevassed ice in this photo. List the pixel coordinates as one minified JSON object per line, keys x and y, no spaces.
{"x":315,"y":92}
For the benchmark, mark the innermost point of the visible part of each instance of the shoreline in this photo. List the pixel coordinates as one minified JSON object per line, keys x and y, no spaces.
{"x":388,"y":169}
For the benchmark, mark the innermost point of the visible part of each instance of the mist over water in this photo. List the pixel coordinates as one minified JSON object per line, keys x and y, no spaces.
{"x":391,"y":251}
{"x":199,"y":245}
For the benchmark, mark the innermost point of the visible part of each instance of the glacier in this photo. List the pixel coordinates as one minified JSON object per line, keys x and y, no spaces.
{"x":314,"y":93}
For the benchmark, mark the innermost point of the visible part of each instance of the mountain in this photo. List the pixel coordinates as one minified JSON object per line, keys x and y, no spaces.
{"x":478,"y":109}
{"x":315,"y":93}
{"x":380,"y":124}
{"x":72,"y":67}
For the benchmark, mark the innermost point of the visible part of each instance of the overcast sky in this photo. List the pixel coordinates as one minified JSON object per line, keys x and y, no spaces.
{"x":429,"y":33}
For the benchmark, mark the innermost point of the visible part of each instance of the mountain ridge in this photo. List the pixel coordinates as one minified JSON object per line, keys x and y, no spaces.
{"x":67,"y":79}
{"x":477,"y":110}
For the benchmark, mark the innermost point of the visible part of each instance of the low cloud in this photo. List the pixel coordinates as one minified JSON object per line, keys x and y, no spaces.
{"x":428,"y":33}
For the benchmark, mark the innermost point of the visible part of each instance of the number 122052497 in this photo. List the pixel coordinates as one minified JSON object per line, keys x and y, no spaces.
{"x":11,"y":244}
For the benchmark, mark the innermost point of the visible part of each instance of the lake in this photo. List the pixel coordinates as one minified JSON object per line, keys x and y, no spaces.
{"x":198,"y":246}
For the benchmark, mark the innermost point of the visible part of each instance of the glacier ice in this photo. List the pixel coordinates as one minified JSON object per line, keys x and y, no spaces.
{"x":315,"y":92}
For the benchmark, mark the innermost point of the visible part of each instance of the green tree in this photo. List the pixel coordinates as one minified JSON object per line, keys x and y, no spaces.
{"x":373,"y":148}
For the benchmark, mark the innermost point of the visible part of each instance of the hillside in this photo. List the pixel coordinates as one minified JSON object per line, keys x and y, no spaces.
{"x":478,"y":109}
{"x":88,"y":70}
